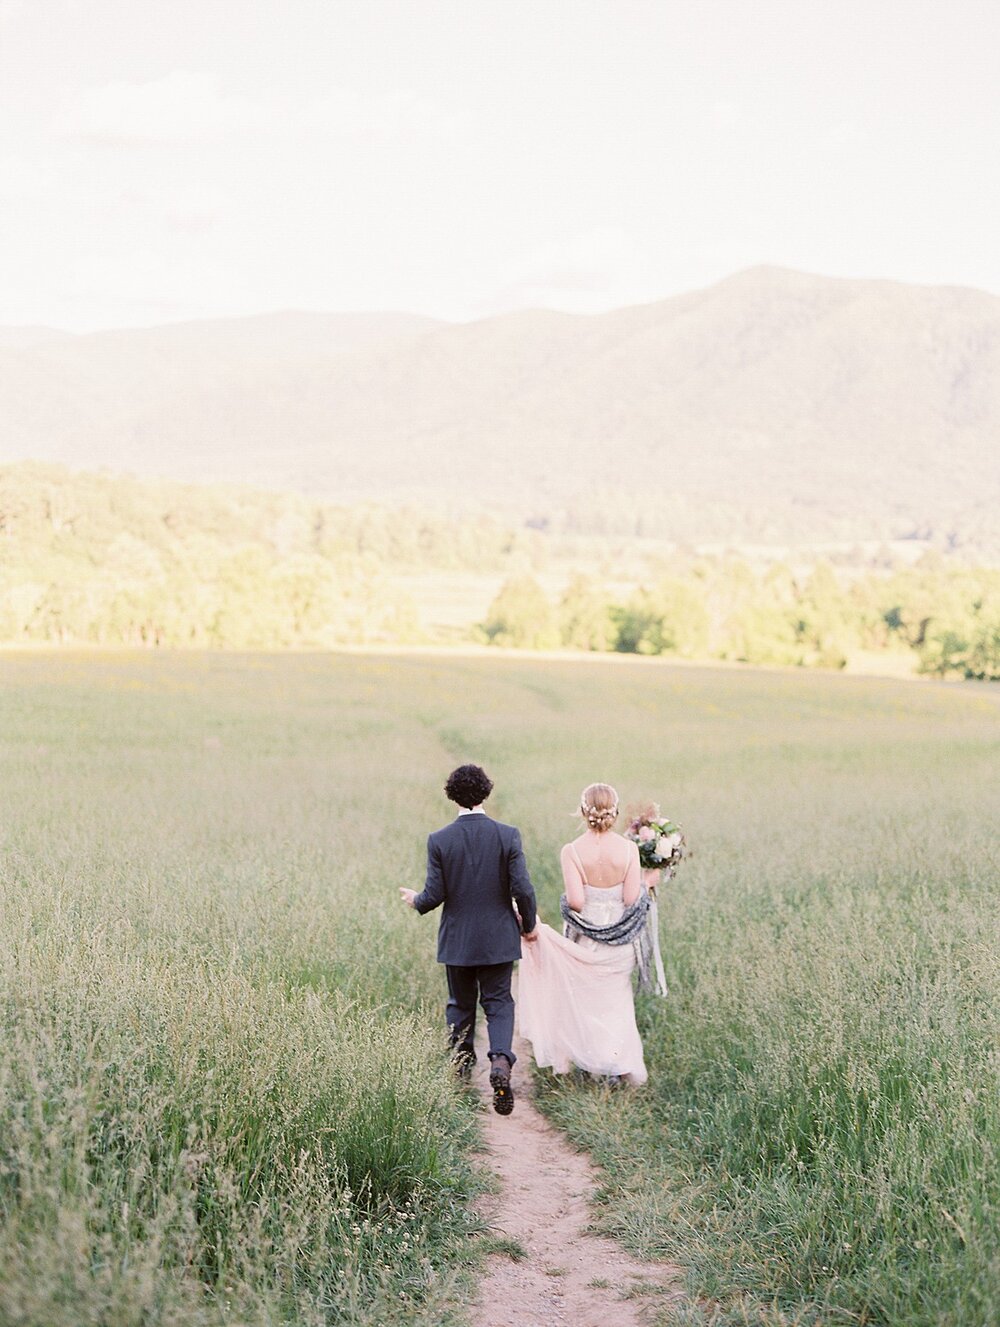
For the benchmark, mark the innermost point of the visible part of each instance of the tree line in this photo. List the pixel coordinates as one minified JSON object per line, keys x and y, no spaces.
{"x":102,"y":559}
{"x":948,"y":617}
{"x":111,"y":560}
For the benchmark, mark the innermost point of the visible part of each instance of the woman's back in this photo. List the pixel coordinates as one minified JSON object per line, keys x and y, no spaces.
{"x":604,"y":858}
{"x":600,"y":861}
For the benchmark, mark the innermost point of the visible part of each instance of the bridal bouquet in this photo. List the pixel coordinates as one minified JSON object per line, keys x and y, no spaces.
{"x":661,"y":843}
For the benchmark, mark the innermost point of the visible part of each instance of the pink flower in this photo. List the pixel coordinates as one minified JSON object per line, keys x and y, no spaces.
{"x":647,"y":833}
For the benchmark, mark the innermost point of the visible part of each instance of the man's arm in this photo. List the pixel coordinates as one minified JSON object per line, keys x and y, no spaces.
{"x":433,"y":891}
{"x":521,"y":887}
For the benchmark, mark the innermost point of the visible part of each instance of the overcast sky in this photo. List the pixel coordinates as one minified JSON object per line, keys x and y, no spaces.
{"x":166,"y":159}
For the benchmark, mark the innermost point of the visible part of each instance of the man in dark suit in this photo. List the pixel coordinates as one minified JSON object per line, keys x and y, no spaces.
{"x":475,"y":871}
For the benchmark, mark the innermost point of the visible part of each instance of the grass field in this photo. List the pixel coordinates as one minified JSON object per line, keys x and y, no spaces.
{"x":223,"y":1092}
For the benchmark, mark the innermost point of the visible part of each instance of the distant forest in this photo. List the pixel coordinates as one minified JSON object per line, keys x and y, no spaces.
{"x":110,"y":560}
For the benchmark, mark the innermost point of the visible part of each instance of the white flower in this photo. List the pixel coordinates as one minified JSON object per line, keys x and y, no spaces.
{"x":664,"y":846}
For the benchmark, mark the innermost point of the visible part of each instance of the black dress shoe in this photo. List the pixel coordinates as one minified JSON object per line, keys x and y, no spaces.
{"x":503,"y":1095}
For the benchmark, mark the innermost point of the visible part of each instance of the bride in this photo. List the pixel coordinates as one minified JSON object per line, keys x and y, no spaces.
{"x":575,"y":990}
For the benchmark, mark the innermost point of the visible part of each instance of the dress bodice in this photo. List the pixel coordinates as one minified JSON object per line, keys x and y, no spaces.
{"x":603,"y":906}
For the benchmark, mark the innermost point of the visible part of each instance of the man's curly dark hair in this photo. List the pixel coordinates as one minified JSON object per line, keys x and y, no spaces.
{"x":468,"y":786}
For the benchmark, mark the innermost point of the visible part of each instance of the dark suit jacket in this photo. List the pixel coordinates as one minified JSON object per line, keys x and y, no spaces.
{"x":475,"y":866}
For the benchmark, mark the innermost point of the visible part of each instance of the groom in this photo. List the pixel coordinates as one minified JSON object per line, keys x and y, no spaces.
{"x":476,"y":869}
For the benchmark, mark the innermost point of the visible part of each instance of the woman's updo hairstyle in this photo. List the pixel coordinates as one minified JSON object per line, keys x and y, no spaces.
{"x":599,"y":806}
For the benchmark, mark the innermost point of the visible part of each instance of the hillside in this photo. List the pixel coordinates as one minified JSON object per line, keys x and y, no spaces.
{"x":774,"y":405}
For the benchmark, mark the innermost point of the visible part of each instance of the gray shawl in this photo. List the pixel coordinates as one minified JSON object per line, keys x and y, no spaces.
{"x":637,"y":926}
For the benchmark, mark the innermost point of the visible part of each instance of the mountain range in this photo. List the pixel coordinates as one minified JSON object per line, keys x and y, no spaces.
{"x":773,"y":405}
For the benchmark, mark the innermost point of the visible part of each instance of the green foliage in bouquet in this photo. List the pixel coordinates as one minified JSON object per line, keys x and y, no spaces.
{"x":659,"y":839}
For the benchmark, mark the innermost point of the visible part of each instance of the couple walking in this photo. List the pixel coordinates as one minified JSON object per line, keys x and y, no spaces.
{"x":575,"y":991}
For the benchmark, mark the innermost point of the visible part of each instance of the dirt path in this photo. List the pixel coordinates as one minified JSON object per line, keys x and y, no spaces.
{"x":569,"y":1277}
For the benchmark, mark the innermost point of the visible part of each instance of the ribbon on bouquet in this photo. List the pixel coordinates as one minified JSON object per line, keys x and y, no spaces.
{"x":653,"y":927}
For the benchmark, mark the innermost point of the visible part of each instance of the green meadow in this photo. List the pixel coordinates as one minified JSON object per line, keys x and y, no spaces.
{"x":224,"y":1094}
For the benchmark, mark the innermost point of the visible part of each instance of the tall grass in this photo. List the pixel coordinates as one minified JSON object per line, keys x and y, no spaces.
{"x":821,"y":1138}
{"x":223,"y":1094}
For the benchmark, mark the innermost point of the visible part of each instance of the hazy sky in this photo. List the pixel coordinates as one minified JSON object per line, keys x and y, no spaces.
{"x":164,"y":159}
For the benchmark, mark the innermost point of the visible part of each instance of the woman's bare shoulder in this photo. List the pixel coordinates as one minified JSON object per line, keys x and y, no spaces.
{"x":619,"y":840}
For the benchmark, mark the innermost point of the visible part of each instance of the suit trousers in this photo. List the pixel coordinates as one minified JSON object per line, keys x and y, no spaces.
{"x":491,"y":985}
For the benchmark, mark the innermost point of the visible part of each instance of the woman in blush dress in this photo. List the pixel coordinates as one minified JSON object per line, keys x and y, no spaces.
{"x":575,"y":1001}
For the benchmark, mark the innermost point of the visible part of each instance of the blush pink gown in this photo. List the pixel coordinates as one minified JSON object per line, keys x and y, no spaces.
{"x":574,"y":999}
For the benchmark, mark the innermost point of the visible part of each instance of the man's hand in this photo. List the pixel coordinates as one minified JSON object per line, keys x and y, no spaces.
{"x":408,"y":895}
{"x":530,"y":936}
